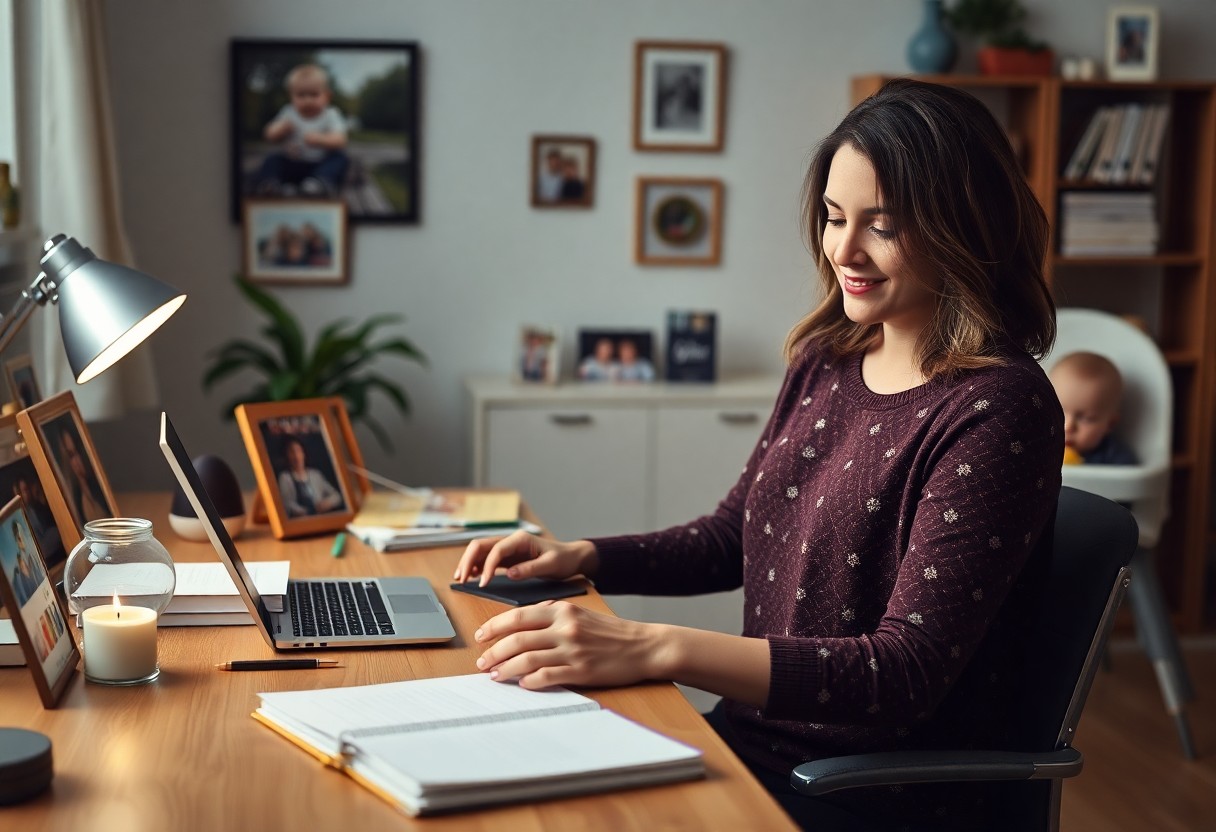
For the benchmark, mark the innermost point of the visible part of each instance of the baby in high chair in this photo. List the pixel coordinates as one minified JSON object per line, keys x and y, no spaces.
{"x":1090,"y":388}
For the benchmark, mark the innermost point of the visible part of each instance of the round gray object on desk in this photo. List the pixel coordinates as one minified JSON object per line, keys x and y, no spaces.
{"x":25,"y":764}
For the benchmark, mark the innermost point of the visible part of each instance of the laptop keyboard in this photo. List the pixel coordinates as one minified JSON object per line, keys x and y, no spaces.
{"x":337,"y":608}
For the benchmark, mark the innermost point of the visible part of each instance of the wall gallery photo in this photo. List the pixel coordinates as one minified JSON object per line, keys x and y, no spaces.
{"x":563,"y":172}
{"x":679,"y":96}
{"x":679,"y":222}
{"x":296,"y":241}
{"x":335,"y":119}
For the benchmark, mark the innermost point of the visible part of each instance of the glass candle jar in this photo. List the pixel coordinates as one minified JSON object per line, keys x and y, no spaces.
{"x":119,"y":579}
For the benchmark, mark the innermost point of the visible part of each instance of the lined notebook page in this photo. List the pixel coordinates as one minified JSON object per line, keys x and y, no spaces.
{"x":421,"y":703}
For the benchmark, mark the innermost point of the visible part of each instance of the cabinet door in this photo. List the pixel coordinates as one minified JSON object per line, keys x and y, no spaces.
{"x":583,"y":470}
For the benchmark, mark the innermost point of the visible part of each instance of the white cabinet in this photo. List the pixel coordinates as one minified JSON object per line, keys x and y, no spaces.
{"x":596,"y":460}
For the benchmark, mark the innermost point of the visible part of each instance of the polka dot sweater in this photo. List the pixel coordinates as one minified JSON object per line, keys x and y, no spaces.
{"x":888,"y":546}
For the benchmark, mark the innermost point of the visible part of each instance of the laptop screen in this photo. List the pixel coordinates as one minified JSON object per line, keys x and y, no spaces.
{"x":187,"y":477}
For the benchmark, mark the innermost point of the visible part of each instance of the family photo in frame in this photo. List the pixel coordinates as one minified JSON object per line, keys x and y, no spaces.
{"x":68,"y":467}
{"x":296,"y":449}
{"x":1133,"y":33}
{"x":301,"y":242}
{"x":563,"y":172}
{"x":538,"y":356}
{"x":679,"y":92}
{"x":327,"y":119}
{"x":624,"y":355}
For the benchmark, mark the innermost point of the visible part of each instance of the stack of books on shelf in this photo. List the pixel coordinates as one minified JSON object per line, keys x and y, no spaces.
{"x":1120,"y":146}
{"x":1106,"y":223}
{"x":418,"y":518}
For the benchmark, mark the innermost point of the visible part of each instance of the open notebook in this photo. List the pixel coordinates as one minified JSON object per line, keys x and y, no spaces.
{"x":434,"y":745}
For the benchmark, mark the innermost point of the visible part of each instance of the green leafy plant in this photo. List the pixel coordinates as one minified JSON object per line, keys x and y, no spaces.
{"x":337,"y":364}
{"x":996,"y":22}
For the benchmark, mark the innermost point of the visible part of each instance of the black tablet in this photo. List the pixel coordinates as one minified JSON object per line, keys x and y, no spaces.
{"x":523,"y":592}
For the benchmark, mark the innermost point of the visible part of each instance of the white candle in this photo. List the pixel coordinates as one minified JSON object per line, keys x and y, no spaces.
{"x":119,"y":642}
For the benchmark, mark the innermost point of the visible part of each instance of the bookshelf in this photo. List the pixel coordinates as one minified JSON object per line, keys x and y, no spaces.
{"x":1171,"y":290}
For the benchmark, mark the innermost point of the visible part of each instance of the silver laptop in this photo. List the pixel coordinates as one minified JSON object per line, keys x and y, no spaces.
{"x":340,"y":612}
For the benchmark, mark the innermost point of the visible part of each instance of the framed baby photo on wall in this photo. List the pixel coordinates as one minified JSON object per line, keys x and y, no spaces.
{"x":327,"y":120}
{"x":563,"y":172}
{"x":679,"y":92}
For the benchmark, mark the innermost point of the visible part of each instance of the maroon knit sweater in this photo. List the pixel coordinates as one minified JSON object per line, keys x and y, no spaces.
{"x":889,"y":549}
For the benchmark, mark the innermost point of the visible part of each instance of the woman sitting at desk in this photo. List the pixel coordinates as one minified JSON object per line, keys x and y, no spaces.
{"x":890,"y":528}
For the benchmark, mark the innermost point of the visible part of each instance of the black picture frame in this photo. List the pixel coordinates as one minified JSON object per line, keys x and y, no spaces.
{"x":375,"y":86}
{"x":600,"y":356}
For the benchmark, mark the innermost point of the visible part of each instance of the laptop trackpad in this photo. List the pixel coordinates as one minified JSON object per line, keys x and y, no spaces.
{"x":406,"y":604}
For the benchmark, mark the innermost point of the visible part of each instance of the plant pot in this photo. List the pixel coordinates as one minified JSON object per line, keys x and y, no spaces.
{"x":999,"y":60}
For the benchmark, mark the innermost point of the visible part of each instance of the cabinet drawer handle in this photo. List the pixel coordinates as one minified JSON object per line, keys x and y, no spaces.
{"x":568,"y":420}
{"x":738,"y":418}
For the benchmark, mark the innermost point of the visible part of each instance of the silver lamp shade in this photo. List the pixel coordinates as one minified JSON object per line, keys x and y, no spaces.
{"x":105,"y":310}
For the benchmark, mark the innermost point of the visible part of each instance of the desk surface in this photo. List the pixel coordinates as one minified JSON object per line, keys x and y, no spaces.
{"x":183,"y":752}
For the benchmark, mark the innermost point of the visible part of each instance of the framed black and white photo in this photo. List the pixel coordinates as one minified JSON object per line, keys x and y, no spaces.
{"x":563,"y":172}
{"x":298,"y":242}
{"x":330,"y":120}
{"x":618,"y":355}
{"x":1132,"y":35}
{"x":679,"y":93}
{"x":678,"y":221}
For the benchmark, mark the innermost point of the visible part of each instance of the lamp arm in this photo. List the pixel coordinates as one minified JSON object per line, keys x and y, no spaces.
{"x":38,"y":294}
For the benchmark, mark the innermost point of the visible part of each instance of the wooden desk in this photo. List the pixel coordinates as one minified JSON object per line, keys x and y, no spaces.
{"x":184,"y":754}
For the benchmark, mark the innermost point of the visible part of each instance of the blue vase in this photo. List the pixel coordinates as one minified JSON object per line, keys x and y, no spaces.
{"x":932,"y":48}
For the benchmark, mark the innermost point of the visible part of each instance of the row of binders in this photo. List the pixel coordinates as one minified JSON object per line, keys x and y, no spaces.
{"x":1120,"y":146}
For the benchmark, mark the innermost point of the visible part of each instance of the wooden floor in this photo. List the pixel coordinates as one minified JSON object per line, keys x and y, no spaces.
{"x":1135,"y":777}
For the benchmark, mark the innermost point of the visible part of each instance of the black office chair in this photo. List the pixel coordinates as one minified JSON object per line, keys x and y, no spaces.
{"x":1094,"y":542}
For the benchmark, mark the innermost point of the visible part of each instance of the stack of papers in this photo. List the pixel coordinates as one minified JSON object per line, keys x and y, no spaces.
{"x":392,"y":521}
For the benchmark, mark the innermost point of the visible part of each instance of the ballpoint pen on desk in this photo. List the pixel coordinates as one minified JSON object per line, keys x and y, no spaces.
{"x":339,"y":543}
{"x":278,"y":664}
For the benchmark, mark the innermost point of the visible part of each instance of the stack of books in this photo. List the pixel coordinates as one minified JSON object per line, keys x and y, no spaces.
{"x":1096,"y":224}
{"x":419,"y":518}
{"x":1121,"y":145}
{"x":205,"y":595}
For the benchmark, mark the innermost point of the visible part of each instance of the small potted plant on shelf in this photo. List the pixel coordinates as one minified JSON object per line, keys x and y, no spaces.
{"x":337,"y":364}
{"x":998,"y":23}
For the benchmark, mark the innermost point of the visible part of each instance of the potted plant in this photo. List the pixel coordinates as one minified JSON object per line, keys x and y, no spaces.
{"x":1008,"y":50}
{"x":337,"y":364}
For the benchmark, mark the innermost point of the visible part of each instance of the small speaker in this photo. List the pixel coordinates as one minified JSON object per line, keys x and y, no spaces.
{"x":222,"y":487}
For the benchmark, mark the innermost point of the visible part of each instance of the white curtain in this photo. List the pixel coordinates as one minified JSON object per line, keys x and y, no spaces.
{"x":78,"y":178}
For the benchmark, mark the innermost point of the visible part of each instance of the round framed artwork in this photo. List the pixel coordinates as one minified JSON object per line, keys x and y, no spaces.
{"x":679,"y":221}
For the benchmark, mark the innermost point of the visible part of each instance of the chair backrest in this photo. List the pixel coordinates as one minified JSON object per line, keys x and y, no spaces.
{"x":1146,"y":414}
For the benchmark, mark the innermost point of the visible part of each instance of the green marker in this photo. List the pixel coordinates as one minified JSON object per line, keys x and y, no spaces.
{"x":339,"y":543}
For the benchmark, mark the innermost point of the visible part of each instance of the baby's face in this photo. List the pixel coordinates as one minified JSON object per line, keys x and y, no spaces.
{"x":310,"y":97}
{"x":1088,"y":413}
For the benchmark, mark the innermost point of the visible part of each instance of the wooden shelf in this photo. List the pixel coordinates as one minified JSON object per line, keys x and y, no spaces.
{"x":1181,"y":358}
{"x":1177,"y":259}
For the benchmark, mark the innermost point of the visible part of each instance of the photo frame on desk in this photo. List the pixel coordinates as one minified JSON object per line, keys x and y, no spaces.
{"x":68,"y":467}
{"x":22,"y":383}
{"x":19,"y":478}
{"x":296,"y":449}
{"x":38,"y":614}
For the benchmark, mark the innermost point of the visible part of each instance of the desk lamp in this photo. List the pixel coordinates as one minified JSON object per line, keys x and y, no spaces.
{"x":105,"y":310}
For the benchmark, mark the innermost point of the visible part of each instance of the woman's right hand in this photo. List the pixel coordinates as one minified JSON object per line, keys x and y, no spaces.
{"x":526,"y":556}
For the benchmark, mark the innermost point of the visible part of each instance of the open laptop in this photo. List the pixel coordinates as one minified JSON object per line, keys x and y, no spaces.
{"x":338,"y":612}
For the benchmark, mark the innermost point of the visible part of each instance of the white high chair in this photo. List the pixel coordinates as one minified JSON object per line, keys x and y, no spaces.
{"x":1145,"y":424}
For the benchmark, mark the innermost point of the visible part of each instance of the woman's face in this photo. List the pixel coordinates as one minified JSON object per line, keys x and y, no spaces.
{"x":880,"y":284}
{"x":73,"y":456}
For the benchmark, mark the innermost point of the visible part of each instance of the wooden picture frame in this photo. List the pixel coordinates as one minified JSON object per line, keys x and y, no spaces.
{"x":19,"y":478}
{"x":678,"y":221}
{"x":294,"y":447}
{"x":563,"y":172}
{"x":300,"y":242}
{"x":22,"y":383}
{"x":1132,"y":37}
{"x":39,"y":616}
{"x":68,"y":466}
{"x":370,"y":91}
{"x":538,"y":355}
{"x":679,"y":96}
{"x":348,"y":448}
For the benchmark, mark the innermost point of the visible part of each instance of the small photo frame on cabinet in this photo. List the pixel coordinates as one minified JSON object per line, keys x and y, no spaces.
{"x":38,"y":614}
{"x":537,"y":353}
{"x":618,"y":355}
{"x":302,"y":242}
{"x":1132,"y":36}
{"x":67,"y":464}
{"x":679,"y":91}
{"x":563,"y":172}
{"x":296,"y":449}
{"x":679,"y":221}
{"x":22,"y":383}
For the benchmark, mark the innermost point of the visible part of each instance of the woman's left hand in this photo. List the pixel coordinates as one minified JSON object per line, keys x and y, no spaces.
{"x":559,"y":643}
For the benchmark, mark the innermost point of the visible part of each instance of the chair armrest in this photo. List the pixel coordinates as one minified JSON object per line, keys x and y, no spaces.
{"x":1121,"y":483}
{"x":890,"y":767}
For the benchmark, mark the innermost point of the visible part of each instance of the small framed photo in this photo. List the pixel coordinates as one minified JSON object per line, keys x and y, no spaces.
{"x":67,"y":464}
{"x":622,"y":355}
{"x":296,"y":242}
{"x":679,"y":92}
{"x":1132,"y":35}
{"x":563,"y":172}
{"x":296,"y":449}
{"x":19,"y":478}
{"x":22,"y":383}
{"x":327,"y":119}
{"x":691,"y":345}
{"x":38,"y":614}
{"x":537,"y":355}
{"x":679,"y":221}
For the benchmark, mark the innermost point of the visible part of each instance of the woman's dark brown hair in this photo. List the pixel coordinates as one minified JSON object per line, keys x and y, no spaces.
{"x":948,"y":177}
